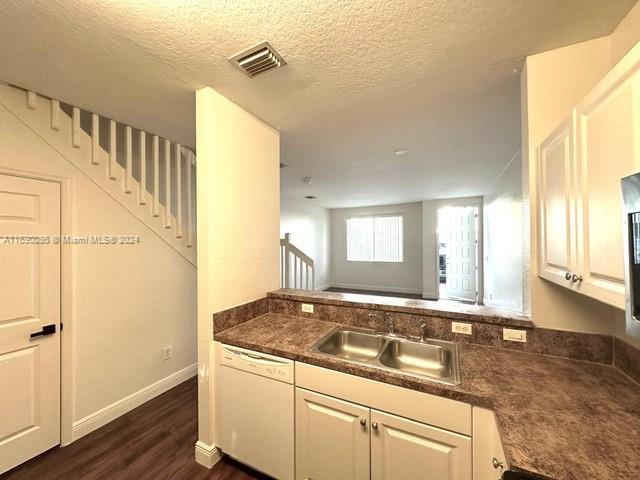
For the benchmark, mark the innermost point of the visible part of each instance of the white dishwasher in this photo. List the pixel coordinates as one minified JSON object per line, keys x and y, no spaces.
{"x":255,"y":416}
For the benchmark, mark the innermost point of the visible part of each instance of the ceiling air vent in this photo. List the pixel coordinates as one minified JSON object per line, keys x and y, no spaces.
{"x":258,"y":59}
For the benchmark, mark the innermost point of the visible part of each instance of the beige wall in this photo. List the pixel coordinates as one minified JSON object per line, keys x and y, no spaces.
{"x":552,"y":84}
{"x":127,"y":301}
{"x":238,"y":187}
{"x":386,"y":276}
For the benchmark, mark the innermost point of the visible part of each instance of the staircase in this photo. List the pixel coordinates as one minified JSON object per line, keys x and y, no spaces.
{"x":296,"y":267}
{"x":152,"y":177}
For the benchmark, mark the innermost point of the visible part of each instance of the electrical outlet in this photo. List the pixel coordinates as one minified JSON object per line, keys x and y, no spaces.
{"x":307,"y":308}
{"x":464,"y":328}
{"x":514,"y":335}
{"x":167,"y":352}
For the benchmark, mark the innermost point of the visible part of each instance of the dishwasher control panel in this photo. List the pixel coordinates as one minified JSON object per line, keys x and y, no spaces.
{"x":257,"y":363}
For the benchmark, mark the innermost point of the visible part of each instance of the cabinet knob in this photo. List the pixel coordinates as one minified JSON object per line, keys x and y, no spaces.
{"x":497,"y":463}
{"x":363,"y":422}
{"x":374,"y":425}
{"x":567,"y":276}
{"x":576,"y":278}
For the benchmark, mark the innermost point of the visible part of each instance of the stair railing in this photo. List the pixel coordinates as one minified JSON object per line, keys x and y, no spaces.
{"x":296,"y":267}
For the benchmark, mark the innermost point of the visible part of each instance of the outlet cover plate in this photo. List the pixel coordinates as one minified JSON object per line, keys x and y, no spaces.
{"x":307,"y":307}
{"x":463,"y":328}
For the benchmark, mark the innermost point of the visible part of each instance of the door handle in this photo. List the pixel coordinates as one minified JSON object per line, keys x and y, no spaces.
{"x":46,"y":330}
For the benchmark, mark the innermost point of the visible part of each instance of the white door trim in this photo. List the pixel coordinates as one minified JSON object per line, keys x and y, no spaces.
{"x":66,"y":297}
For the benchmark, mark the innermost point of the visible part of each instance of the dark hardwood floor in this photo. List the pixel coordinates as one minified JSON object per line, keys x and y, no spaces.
{"x":155,"y":441}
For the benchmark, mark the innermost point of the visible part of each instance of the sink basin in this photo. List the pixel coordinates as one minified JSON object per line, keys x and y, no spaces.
{"x":352,"y":345}
{"x":424,"y":359}
{"x":435,"y":360}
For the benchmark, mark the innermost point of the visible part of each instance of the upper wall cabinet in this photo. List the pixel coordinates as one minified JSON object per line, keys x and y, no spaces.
{"x":557,"y":228}
{"x":580,"y":220}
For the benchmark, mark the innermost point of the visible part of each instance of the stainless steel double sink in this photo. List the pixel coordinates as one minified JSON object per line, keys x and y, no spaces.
{"x":435,"y":360}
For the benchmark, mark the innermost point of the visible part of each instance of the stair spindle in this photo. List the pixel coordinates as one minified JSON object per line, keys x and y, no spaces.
{"x":75,"y":131}
{"x":128,"y":176}
{"x":189,"y":203}
{"x":95,"y":139}
{"x":32,"y":100}
{"x":55,"y":114}
{"x":156,"y":176}
{"x":112,"y":150}
{"x":178,"y":190}
{"x":167,"y":184}
{"x":142,"y":192}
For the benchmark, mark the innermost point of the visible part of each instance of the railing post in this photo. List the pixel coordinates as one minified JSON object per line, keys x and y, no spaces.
{"x":287,"y":266}
{"x":95,"y":138}
{"x":112,"y":149}
{"x":189,"y":202}
{"x":75,"y":128}
{"x":156,"y":177}
{"x":55,"y":114}
{"x":142,"y":192}
{"x":128,"y":165}
{"x":178,"y":190}
{"x":167,"y":184}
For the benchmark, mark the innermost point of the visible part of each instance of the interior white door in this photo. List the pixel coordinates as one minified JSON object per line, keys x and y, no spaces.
{"x":402,"y":448}
{"x":29,"y":300}
{"x":332,"y":438}
{"x":457,"y":228}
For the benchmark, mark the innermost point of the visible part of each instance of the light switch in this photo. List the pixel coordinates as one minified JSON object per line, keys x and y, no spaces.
{"x":514,"y":335}
{"x":307,"y":307}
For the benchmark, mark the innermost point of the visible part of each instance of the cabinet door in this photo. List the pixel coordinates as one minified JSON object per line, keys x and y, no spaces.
{"x":489,"y":460}
{"x":609,"y":132}
{"x":556,"y":212}
{"x":405,"y":449}
{"x":332,"y":438}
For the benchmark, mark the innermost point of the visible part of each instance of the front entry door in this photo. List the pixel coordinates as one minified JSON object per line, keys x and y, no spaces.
{"x":457,"y":231}
{"x":29,"y":301}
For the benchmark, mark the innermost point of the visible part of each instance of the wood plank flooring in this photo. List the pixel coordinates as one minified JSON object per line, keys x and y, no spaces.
{"x":155,"y":441}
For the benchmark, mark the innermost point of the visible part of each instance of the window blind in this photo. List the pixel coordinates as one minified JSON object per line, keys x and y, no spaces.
{"x":375,"y":238}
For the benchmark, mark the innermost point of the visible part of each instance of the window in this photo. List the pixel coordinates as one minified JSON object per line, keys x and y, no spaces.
{"x":376,"y":238}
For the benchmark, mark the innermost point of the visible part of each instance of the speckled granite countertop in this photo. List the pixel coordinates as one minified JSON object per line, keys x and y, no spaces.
{"x":440,"y":308}
{"x":559,"y":419}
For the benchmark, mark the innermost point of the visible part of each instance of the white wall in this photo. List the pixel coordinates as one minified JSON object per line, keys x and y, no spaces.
{"x":503,"y":235}
{"x":391,"y":277}
{"x":238,"y":189}
{"x":309,"y":228}
{"x":127,"y":301}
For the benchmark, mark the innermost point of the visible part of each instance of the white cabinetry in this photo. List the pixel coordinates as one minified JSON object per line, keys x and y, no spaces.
{"x":402,"y":448}
{"x":579,"y":170}
{"x":332,"y":438}
{"x":556,"y":196}
{"x":339,"y":439}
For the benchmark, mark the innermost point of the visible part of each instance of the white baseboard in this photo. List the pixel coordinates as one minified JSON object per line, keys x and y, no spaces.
{"x":109,"y":413}
{"x":323,"y":287}
{"x":376,"y":288}
{"x":207,"y":455}
{"x":429,"y":296}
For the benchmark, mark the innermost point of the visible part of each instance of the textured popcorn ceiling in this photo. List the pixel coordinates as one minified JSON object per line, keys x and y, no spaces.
{"x":363,"y":78}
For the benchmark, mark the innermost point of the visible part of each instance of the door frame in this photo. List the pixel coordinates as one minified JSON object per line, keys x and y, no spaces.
{"x":477,"y":202}
{"x":66,"y":296}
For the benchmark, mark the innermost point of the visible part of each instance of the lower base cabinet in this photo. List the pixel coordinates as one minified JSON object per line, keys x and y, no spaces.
{"x":339,"y":440}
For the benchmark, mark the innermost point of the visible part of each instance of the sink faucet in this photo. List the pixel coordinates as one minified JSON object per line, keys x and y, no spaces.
{"x":388,"y":320}
{"x":423,"y":331}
